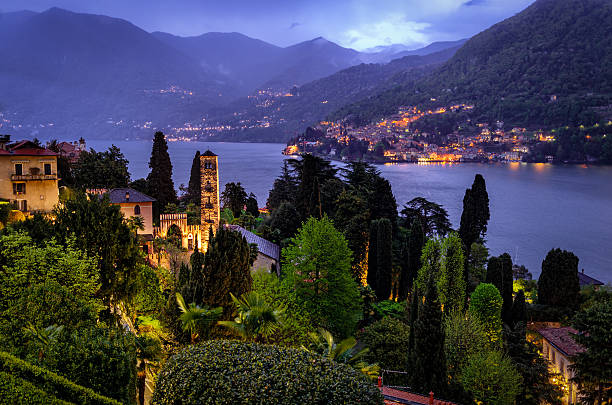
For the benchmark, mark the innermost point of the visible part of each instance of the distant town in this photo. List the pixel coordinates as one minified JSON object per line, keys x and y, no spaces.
{"x":398,"y":139}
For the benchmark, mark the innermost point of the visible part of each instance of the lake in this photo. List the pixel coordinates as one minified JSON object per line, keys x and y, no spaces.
{"x":534,"y":207}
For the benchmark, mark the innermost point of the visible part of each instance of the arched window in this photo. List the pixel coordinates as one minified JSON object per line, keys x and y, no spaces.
{"x":137,"y":210}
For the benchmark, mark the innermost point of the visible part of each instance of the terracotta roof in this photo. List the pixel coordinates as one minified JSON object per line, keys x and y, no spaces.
{"x":117,"y":196}
{"x":27,"y":148}
{"x":561,"y":338}
{"x":264,"y":246}
{"x":394,"y":396}
{"x":585,"y":280}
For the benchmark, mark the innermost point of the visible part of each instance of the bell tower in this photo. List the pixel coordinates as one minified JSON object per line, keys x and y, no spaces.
{"x":209,"y":203}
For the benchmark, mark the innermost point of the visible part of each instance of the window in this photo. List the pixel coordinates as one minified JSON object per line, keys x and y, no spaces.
{"x":137,"y":210}
{"x":18,"y":169}
{"x":19,"y":188}
{"x":47,"y":169}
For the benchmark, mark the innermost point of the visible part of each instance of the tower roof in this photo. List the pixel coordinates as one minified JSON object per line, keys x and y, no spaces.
{"x":208,"y":153}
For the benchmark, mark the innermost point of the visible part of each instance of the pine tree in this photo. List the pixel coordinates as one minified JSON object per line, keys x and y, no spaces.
{"x":312,"y":173}
{"x":416,"y":241}
{"x":159,"y":181}
{"x":283,"y":190}
{"x":427,"y":359}
{"x":558,"y":284}
{"x":194,"y":190}
{"x":451,"y":283}
{"x":384,"y":259}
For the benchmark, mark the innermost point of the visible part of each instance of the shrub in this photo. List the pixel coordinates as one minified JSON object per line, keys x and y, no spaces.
{"x":485,"y":305}
{"x":387,"y":341}
{"x":14,"y":390}
{"x":52,"y":384}
{"x":491,"y":378}
{"x":230,"y":372}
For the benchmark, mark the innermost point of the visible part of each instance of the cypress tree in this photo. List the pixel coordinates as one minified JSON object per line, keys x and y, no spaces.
{"x":499,"y":273}
{"x":194,"y":190}
{"x":283,"y":190}
{"x":475,"y":216}
{"x":518,"y":313}
{"x":159,"y":181}
{"x":431,"y":265}
{"x":227,"y":269}
{"x":558,"y":284}
{"x":427,"y":359}
{"x":451,"y":283}
{"x":416,"y":241}
{"x":384,"y":259}
{"x":373,"y":256}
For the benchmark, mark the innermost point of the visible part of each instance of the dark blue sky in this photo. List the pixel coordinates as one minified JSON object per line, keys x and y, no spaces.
{"x":359,"y":24}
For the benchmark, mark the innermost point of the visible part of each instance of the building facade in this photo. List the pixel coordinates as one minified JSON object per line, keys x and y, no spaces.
{"x":558,"y":347}
{"x":28,"y":175}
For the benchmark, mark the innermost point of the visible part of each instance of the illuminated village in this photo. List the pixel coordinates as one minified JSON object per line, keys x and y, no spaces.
{"x":397,"y":139}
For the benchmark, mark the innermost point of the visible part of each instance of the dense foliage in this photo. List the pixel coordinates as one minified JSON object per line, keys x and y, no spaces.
{"x":485,"y":305}
{"x":558,"y":283}
{"x":107,"y":169}
{"x":159,"y":181}
{"x":226,"y":372}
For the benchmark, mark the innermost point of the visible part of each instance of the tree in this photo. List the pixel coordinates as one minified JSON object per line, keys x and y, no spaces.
{"x":427,"y":359}
{"x":227,"y":269}
{"x":312,"y":173}
{"x":99,"y":230}
{"x":159,"y":181}
{"x":416,"y":242}
{"x":252,"y":206}
{"x":352,"y":216}
{"x":475,"y":216}
{"x":191,"y":278}
{"x":477,"y":263}
{"x":518,"y":312}
{"x":558,"y":284}
{"x":194,"y":189}
{"x":317,"y":264}
{"x":593,"y":367}
{"x":285,"y":220}
{"x":433,"y":217}
{"x":499,"y":273}
{"x":195,"y":319}
{"x":234,"y":197}
{"x":382,"y":201}
{"x":491,"y":378}
{"x":387,"y":340}
{"x":485,"y":305}
{"x":107,"y":169}
{"x":451,"y":284}
{"x":431,"y":263}
{"x":464,"y":336}
{"x":283,"y":190}
{"x":380,"y":258}
{"x":256,"y":320}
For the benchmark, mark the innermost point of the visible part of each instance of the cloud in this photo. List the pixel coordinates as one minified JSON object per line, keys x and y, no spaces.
{"x":394,"y":29}
{"x":294,"y":24}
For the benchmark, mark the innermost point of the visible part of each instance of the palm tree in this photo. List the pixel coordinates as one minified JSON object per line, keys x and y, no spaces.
{"x":43,"y":337}
{"x":195,"y":319}
{"x":256,"y":320}
{"x":322,"y":342}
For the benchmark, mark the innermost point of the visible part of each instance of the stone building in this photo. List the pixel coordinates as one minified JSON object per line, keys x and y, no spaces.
{"x":268,"y":253}
{"x":210,"y":210}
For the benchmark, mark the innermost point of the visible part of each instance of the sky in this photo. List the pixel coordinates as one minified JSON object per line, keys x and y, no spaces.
{"x":358,"y":24}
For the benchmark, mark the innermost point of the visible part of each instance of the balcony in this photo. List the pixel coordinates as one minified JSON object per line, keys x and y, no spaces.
{"x":28,"y":177}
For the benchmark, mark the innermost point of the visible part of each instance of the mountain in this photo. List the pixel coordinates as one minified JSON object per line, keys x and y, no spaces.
{"x":251,"y":64}
{"x":546,"y":66}
{"x":82,"y":71}
{"x":383,"y":54}
{"x":313,"y":101}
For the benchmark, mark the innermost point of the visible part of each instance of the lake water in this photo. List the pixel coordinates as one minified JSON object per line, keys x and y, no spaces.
{"x":534,"y":207}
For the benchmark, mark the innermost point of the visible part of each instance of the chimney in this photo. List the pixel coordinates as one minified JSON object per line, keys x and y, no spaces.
{"x":4,"y":140}
{"x":127,"y":196}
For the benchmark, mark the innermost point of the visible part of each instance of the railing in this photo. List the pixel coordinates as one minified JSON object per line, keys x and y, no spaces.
{"x":26,"y":177}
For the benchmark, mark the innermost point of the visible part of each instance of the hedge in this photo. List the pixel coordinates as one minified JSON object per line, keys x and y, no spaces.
{"x":16,"y":391}
{"x":232,"y":372}
{"x":52,"y":384}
